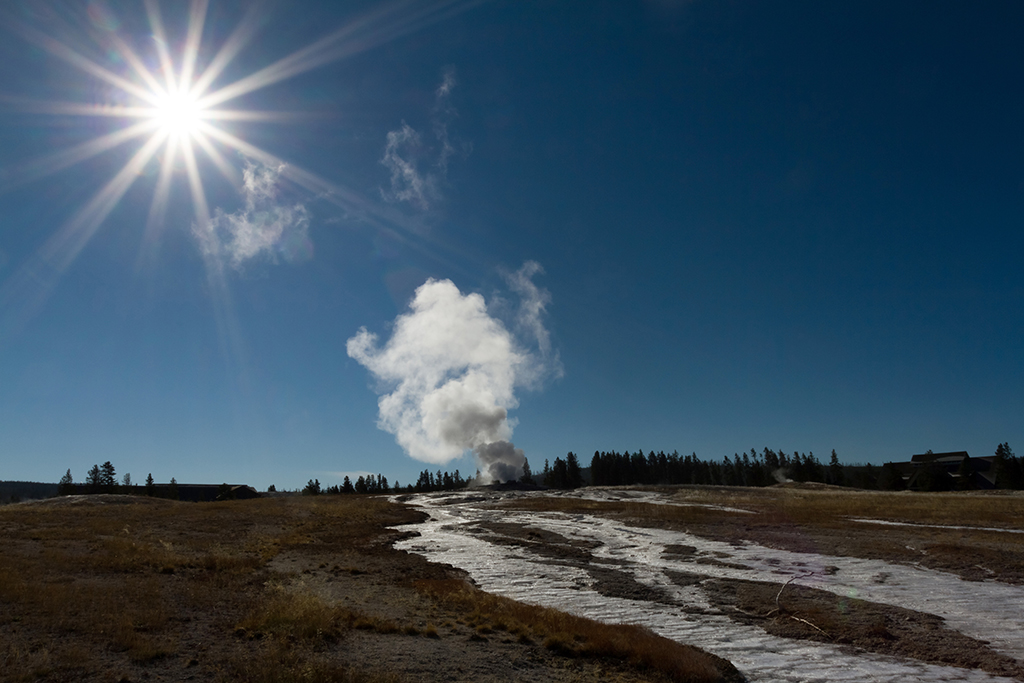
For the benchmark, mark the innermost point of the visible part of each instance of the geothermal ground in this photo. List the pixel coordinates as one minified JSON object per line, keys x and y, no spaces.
{"x":789,"y":584}
{"x":786,"y":584}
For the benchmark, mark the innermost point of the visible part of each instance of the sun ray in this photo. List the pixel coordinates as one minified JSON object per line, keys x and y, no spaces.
{"x":384,"y":25}
{"x":238,"y":39}
{"x":58,"y":108}
{"x":24,"y":293}
{"x":197,"y":17}
{"x":158,"y":205}
{"x":81,"y":152}
{"x":61,"y":51}
{"x":135,"y":63}
{"x":195,"y":183}
{"x":160,"y":39}
{"x":261,"y":116}
{"x":227,"y":170}
{"x":81,"y":227}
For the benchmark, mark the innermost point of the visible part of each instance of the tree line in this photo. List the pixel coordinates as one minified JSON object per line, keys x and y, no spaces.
{"x":611,"y":468}
{"x":103,"y":479}
{"x":427,"y":481}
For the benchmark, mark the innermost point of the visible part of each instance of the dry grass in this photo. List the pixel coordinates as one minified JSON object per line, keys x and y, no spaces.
{"x":808,"y":506}
{"x":104,"y":584}
{"x":574,"y":636}
{"x":110,"y":588}
{"x":276,"y":662}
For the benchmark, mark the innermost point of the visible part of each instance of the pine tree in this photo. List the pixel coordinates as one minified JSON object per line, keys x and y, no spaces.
{"x":573,"y":476}
{"x":835,"y":471}
{"x":527,"y":477}
{"x":108,"y":478}
{"x":172,"y":489}
{"x":67,"y":485}
{"x":93,"y":479}
{"x":150,"y":486}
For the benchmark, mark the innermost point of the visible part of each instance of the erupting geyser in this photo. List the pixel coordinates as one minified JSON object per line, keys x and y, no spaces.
{"x":450,"y":370}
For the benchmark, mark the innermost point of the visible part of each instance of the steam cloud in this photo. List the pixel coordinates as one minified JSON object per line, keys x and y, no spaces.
{"x":263,"y":226}
{"x":452,"y":370}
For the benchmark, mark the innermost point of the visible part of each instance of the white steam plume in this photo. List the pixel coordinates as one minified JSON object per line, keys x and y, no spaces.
{"x":451,"y":370}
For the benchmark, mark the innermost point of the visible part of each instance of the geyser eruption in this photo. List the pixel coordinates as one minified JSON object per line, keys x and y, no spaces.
{"x":499,"y":461}
{"x":450,"y":370}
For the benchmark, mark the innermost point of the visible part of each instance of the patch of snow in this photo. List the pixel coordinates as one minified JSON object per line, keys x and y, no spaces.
{"x":886,"y":522}
{"x":985,"y":610}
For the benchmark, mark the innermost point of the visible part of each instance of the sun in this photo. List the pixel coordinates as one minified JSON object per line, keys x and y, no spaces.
{"x":178,"y":113}
{"x":168,"y":102}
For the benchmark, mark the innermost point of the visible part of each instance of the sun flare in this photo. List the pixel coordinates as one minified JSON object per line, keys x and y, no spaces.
{"x":178,"y":113}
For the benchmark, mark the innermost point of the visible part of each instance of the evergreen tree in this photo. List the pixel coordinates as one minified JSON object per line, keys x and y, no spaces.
{"x":151,"y":487}
{"x":108,"y":478}
{"x":527,"y":477}
{"x":558,"y":477}
{"x":67,"y":485}
{"x":1009,"y":473}
{"x":93,"y":479}
{"x":172,"y":489}
{"x":573,"y":476}
{"x":346,"y":486}
{"x":835,"y":471}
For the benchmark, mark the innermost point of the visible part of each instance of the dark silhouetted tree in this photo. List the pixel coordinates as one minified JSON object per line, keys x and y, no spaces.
{"x":835,"y":471}
{"x":108,"y":478}
{"x":573,"y":475}
{"x":527,"y":477}
{"x":67,"y":485}
{"x":150,"y":486}
{"x":172,"y":489}
{"x":312,"y":488}
{"x":93,"y":479}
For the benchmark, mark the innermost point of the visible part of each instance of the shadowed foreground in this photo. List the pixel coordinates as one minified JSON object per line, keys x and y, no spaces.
{"x":118,"y":588}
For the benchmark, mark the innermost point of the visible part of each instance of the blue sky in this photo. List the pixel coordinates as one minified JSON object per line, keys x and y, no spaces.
{"x":783,"y":224}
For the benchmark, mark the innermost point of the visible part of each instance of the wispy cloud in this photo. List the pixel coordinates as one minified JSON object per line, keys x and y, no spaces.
{"x":263,"y":227}
{"x":419,"y":170}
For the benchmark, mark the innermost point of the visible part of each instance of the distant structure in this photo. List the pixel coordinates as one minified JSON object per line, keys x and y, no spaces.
{"x":957,"y":468}
{"x":205,"y":493}
{"x":194,"y":493}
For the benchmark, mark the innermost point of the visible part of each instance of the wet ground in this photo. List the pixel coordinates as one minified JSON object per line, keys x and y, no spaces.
{"x":777,"y":614}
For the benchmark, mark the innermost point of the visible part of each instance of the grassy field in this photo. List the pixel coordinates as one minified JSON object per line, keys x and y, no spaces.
{"x":115,"y":588}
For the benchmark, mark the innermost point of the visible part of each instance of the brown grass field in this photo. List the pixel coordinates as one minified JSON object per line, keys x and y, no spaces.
{"x":118,"y":588}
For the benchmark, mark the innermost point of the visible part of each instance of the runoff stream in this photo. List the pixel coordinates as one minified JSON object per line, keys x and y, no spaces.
{"x":461,"y":532}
